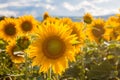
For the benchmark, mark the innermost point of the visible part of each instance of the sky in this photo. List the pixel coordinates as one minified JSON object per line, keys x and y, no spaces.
{"x":58,"y":7}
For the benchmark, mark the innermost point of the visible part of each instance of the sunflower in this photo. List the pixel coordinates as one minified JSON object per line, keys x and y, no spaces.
{"x":66,"y":20}
{"x":50,"y":20}
{"x":96,"y":30}
{"x":45,"y":15}
{"x":88,"y":18}
{"x":112,"y":21}
{"x":113,"y":26}
{"x":115,"y":32}
{"x":14,"y":53}
{"x":77,"y":28}
{"x":53,"y":48}
{"x":27,"y":24}
{"x":8,"y":29}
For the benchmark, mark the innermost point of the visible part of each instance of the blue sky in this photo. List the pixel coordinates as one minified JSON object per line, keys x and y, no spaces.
{"x":59,"y":7}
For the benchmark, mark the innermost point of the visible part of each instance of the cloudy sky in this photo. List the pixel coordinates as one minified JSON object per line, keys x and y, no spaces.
{"x":59,"y":7}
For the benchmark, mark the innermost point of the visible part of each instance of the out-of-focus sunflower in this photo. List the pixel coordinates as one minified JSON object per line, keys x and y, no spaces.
{"x":118,"y":18}
{"x":14,"y":53}
{"x":77,"y":28}
{"x":88,"y":18}
{"x":118,"y":15}
{"x":96,"y":30}
{"x":8,"y":29}
{"x":113,"y":27}
{"x":114,"y":32}
{"x":27,"y":24}
{"x":50,"y":20}
{"x":53,"y":48}
{"x":111,"y":21}
{"x":45,"y":15}
{"x":66,"y":20}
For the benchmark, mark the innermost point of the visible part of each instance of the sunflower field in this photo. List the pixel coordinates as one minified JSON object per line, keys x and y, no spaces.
{"x":60,"y":48}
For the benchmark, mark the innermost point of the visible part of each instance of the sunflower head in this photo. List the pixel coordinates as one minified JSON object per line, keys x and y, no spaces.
{"x":88,"y":18}
{"x":65,"y":21}
{"x":14,"y":52}
{"x":8,"y":29}
{"x":113,"y":27}
{"x":114,"y":33}
{"x":96,"y":30}
{"x":53,"y":47}
{"x":50,"y":20}
{"x":27,"y":24}
{"x":77,"y":29}
{"x":45,"y":15}
{"x":112,"y":21}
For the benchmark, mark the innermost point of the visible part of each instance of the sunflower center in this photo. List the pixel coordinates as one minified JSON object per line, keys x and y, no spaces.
{"x":10,"y":29}
{"x":73,"y":31}
{"x":53,"y":47}
{"x":98,"y":31}
{"x":26,"y":26}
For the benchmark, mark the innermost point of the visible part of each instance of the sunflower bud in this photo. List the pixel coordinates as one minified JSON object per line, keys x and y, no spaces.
{"x":45,"y":16}
{"x":23,"y":42}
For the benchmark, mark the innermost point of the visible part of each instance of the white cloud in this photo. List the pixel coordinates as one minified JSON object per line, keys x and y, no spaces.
{"x":46,"y":6}
{"x":90,"y":7}
{"x":50,"y":7}
{"x":14,"y":4}
{"x":101,"y":12}
{"x":63,"y":7}
{"x":100,"y":1}
{"x":84,"y":4}
{"x":8,"y":13}
{"x":69,"y":6}
{"x":49,"y":1}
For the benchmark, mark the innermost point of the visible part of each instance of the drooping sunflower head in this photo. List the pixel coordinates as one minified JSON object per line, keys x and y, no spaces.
{"x":53,"y":48}
{"x":8,"y":29}
{"x":77,"y":28}
{"x":45,"y":15}
{"x":88,"y":18}
{"x":13,"y":51}
{"x":27,"y":24}
{"x":96,"y":30}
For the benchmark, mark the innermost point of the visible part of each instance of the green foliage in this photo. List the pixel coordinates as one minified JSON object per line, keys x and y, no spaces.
{"x":95,"y":62}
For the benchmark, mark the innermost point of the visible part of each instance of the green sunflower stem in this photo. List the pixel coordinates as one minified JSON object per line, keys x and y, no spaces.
{"x":26,"y":67}
{"x":57,"y":77}
{"x":49,"y":74}
{"x":83,"y":68}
